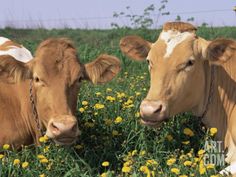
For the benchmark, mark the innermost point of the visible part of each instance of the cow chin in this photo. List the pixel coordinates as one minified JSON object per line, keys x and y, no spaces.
{"x":65,"y":141}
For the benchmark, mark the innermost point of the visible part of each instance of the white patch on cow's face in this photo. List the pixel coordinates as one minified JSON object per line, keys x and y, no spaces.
{"x":20,"y":54}
{"x":3,"y":40}
{"x":172,"y":39}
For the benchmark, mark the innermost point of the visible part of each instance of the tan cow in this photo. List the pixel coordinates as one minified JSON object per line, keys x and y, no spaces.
{"x":41,"y":95}
{"x":189,"y":73}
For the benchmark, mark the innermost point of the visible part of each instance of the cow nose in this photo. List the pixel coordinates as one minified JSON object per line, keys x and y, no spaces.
{"x":152,"y":109}
{"x":63,"y":128}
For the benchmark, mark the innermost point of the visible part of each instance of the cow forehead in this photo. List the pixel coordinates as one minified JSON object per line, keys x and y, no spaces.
{"x":172,"y":39}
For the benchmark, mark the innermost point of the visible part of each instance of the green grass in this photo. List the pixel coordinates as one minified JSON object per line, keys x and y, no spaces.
{"x":132,"y":144}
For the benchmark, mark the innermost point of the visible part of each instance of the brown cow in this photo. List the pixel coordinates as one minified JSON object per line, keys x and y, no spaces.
{"x":41,"y":95}
{"x":189,"y":73}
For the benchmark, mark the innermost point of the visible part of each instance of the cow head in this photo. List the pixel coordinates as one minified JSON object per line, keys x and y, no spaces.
{"x":56,"y":74}
{"x":176,"y":64}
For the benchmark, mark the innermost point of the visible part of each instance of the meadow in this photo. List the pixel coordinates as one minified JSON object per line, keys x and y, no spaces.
{"x":113,"y":142}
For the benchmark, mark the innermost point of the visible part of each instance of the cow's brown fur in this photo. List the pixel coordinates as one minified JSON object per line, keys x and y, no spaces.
{"x":56,"y":73}
{"x":178,"y":87}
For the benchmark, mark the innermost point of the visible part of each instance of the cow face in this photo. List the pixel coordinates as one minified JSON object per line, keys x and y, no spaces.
{"x":176,"y":64}
{"x":57,"y":74}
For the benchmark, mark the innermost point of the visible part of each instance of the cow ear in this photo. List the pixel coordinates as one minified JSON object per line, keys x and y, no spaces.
{"x":135,"y":47}
{"x":220,"y":50}
{"x":200,"y":47}
{"x":13,"y":71}
{"x":102,"y":69}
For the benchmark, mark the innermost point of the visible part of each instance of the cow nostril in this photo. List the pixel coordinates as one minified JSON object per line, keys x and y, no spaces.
{"x":158,"y":110}
{"x":54,"y":128}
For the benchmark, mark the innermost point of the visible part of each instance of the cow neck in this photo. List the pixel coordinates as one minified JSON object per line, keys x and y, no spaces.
{"x":34,"y":109}
{"x":210,"y":92}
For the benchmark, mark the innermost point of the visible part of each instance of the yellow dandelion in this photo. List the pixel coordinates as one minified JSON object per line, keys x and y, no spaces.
{"x":109,"y":90}
{"x":137,"y":115}
{"x":126,"y":169}
{"x":175,"y":170}
{"x":202,"y":169}
{"x":183,"y":176}
{"x":151,"y":162}
{"x":118,"y":120}
{"x":6,"y":146}
{"x":188,"y":132}
{"x":134,"y":152}
{"x":213,"y":131}
{"x":104,"y":174}
{"x":185,"y":142}
{"x":25,"y":164}
{"x":105,"y":164}
{"x":40,"y":156}
{"x":46,"y":149}
{"x":128,"y":163}
{"x":81,"y":110}
{"x":79,"y":146}
{"x":110,"y":98}
{"x":1,"y":156}
{"x":43,"y":139}
{"x":169,"y":137}
{"x":201,"y":152}
{"x":84,"y":103}
{"x":142,"y":153}
{"x":16,"y":162}
{"x":170,"y":161}
{"x":42,"y":175}
{"x":210,"y":166}
{"x":187,"y":163}
{"x":98,"y":93}
{"x":144,"y":169}
{"x":115,"y":133}
{"x":44,"y":160}
{"x":99,"y":106}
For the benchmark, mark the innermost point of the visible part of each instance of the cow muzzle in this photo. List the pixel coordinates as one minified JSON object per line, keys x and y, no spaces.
{"x":153,"y":112}
{"x":63,"y":129}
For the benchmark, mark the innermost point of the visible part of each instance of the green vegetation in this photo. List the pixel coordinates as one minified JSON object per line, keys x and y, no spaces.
{"x":113,"y":143}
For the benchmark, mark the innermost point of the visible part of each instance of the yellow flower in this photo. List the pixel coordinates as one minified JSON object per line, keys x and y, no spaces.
{"x":214,"y":176}
{"x":81,"y":110}
{"x":40,"y":156}
{"x":84,"y":103}
{"x":128,"y":163}
{"x":201,"y":152}
{"x":137,"y":93}
{"x":42,"y":175}
{"x":183,"y":176}
{"x":187,"y":163}
{"x":188,"y":132}
{"x":118,"y":120}
{"x":144,"y":169}
{"x":142,"y":153}
{"x":43,"y":139}
{"x":99,"y":106}
{"x":170,"y":161}
{"x":6,"y":146}
{"x":25,"y":164}
{"x":46,"y":149}
{"x":185,"y":142}
{"x":108,"y":122}
{"x":210,"y":166}
{"x":202,"y":169}
{"x":169,"y":137}
{"x":151,"y":162}
{"x":115,"y":133}
{"x":109,"y":89}
{"x":103,"y":174}
{"x":110,"y":98}
{"x":105,"y":164}
{"x":16,"y":161}
{"x":213,"y":131}
{"x":175,"y":170}
{"x":79,"y":146}
{"x":134,"y":152}
{"x":44,"y":160}
{"x":137,"y":114}
{"x":1,"y":156}
{"x":98,"y":93}
{"x":126,"y":169}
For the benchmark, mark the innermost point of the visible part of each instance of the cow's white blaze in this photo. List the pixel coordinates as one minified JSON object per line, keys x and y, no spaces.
{"x":19,"y":53}
{"x":172,"y":39}
{"x":3,"y":40}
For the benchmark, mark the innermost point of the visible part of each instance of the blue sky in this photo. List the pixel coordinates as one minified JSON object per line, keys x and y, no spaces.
{"x":98,"y":13}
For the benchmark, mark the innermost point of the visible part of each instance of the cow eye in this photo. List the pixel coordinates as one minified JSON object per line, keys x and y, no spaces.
{"x":190,"y":63}
{"x":36,"y":79}
{"x":148,"y":61}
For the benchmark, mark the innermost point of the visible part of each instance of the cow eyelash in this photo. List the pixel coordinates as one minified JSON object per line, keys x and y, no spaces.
{"x":189,"y":63}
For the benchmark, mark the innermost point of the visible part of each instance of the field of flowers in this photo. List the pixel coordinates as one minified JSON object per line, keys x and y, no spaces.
{"x":113,"y":142}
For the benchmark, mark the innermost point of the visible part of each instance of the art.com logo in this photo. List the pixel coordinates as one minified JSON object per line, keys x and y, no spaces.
{"x":214,"y":153}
